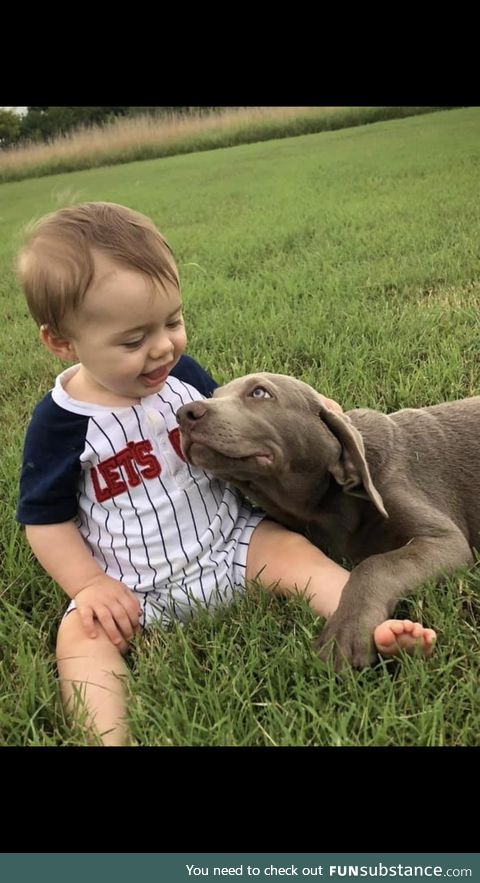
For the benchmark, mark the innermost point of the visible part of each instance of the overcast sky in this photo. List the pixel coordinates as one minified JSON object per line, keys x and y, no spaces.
{"x":17,"y":109}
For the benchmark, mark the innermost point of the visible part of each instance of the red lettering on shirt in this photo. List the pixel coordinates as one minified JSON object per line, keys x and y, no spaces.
{"x":143,"y":457}
{"x":101,"y":493}
{"x":135,"y":453}
{"x":109,"y":471}
{"x":124,"y":458}
{"x":174,"y":438}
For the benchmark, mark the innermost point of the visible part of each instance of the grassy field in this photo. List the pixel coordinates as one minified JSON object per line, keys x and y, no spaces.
{"x":349,"y":259}
{"x":144,"y":137}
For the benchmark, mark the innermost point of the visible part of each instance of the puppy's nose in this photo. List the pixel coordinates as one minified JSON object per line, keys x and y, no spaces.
{"x":191,"y":413}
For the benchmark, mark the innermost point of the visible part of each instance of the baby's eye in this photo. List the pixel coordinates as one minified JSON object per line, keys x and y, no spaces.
{"x":260,"y":393}
{"x":133,"y":344}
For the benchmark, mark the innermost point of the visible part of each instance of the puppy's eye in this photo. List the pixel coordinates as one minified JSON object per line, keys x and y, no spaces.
{"x":260,"y":393}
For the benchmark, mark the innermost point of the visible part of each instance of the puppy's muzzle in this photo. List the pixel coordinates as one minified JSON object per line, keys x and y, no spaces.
{"x":189,"y":415}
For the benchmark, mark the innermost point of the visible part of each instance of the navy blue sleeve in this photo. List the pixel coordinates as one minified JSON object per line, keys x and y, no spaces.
{"x":54,"y":441}
{"x":188,"y":370}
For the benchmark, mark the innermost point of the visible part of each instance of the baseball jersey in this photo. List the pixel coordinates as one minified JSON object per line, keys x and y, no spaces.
{"x":149,"y":518}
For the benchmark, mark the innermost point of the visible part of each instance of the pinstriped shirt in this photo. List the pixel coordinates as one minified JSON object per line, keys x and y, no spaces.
{"x":149,"y":518}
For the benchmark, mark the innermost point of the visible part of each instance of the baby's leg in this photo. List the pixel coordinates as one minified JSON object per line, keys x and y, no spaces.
{"x":286,"y":563}
{"x":91,"y":670}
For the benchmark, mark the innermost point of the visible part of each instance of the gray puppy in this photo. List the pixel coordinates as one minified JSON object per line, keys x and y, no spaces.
{"x":398,"y":495}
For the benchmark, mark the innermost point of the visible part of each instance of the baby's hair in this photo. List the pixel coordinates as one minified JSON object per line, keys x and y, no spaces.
{"x":55,"y":266}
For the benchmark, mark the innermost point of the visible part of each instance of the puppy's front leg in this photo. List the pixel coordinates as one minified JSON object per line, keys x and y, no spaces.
{"x":377,"y":584}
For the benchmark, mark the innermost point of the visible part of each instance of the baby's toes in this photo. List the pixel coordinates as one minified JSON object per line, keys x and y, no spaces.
{"x":417,"y":630}
{"x":400,"y":626}
{"x":395,"y":635}
{"x":429,"y":641}
{"x":384,"y":637}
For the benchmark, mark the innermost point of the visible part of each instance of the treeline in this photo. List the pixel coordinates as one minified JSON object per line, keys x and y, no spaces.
{"x":42,"y":124}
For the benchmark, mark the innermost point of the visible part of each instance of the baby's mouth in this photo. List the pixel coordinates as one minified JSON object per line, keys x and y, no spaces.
{"x":156,"y":376}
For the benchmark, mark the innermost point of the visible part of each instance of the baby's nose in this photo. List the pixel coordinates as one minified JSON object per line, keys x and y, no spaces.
{"x":160,"y":347}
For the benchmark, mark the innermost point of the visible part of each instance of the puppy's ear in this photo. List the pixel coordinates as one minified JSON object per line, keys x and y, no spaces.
{"x":351,"y":469}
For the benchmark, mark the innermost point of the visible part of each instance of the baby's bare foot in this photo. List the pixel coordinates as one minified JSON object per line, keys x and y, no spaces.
{"x":395,"y":635}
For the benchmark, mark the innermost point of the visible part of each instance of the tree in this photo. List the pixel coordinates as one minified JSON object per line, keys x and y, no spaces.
{"x":10,"y":126}
{"x":44,"y":123}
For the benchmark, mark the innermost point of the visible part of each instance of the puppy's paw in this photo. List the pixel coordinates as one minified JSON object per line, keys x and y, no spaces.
{"x":346,"y":644}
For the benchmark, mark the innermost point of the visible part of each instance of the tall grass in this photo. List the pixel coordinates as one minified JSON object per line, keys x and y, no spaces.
{"x":145,"y":136}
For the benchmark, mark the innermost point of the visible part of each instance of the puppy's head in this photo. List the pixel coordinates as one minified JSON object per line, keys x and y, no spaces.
{"x":257,"y":423}
{"x":270,"y":428}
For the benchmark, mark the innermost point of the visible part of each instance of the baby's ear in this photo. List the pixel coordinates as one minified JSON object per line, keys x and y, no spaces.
{"x":59,"y":346}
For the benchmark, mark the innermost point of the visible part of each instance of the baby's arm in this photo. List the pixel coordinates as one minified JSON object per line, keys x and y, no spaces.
{"x":61,"y":551}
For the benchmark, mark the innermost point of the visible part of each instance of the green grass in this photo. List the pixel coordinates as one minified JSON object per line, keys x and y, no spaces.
{"x":349,"y":259}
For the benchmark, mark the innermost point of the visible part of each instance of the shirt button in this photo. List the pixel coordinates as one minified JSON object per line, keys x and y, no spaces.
{"x":154,"y":420}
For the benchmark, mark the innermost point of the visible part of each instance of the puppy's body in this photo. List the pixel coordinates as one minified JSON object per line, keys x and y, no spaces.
{"x":399,"y":495}
{"x":432,"y":453}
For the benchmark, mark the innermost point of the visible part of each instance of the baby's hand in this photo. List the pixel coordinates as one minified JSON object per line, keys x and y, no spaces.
{"x":113,"y":605}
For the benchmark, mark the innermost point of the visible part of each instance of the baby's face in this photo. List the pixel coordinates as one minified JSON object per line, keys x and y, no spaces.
{"x":128,"y":337}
